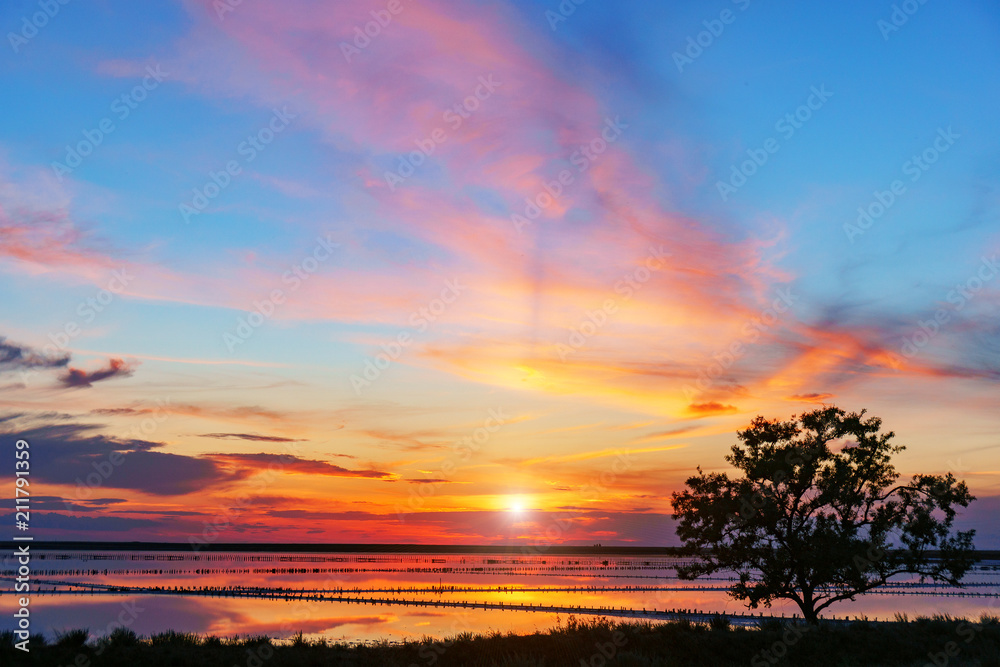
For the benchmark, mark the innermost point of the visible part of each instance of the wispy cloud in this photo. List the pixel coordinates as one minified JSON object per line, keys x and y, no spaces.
{"x":294,"y":464}
{"x":249,"y":436}
{"x":15,"y":356}
{"x":604,"y":453}
{"x":711,"y":408}
{"x":815,"y":397}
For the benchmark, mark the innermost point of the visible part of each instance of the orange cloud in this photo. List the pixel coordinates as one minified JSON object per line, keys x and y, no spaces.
{"x":712,"y":408}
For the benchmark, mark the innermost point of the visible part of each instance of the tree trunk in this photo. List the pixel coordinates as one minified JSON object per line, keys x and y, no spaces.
{"x":808,"y":608}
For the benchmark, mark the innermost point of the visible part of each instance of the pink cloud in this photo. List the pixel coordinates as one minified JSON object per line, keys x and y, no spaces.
{"x":525,"y":289}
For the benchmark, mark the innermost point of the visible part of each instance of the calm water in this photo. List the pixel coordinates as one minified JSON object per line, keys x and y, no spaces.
{"x":107,"y":589}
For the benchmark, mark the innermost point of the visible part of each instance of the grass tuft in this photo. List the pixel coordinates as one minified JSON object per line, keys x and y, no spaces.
{"x":72,"y":639}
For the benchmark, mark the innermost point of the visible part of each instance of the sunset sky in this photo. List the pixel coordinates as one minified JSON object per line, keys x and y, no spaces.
{"x":484,"y":272}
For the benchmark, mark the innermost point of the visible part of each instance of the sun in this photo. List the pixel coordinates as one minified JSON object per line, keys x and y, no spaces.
{"x":516,"y":506}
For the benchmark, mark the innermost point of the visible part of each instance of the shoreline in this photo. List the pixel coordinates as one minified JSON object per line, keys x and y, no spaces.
{"x":900,"y":643}
{"x":388,"y":548}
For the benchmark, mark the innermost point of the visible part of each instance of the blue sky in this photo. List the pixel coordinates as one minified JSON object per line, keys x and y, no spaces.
{"x":859,"y":296}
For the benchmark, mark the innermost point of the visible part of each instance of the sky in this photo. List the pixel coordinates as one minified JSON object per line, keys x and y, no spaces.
{"x":484,"y":272}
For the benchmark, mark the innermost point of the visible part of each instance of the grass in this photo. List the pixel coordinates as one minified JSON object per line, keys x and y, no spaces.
{"x":901,"y":643}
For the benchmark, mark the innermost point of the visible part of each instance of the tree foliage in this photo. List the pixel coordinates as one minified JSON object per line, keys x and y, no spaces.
{"x":818,"y":516}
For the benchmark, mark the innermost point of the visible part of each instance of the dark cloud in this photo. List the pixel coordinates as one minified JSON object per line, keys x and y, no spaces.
{"x":249,"y":436}
{"x":75,"y":505}
{"x":14,"y":356}
{"x":289,"y":463}
{"x":60,"y":522}
{"x":104,"y":502}
{"x":76,"y":377}
{"x":53,"y":415}
{"x":161,"y":512}
{"x":269,"y":501}
{"x":313,"y":515}
{"x":75,"y":455}
{"x":19,"y":421}
{"x":431,"y":480}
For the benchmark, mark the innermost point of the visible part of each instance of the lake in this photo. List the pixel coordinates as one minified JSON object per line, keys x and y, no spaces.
{"x":397,"y":596}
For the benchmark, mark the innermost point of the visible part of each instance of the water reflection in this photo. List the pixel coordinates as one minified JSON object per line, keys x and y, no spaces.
{"x":229,"y":594}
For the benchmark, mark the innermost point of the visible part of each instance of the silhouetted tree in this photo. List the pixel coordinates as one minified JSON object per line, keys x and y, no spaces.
{"x":817,"y":516}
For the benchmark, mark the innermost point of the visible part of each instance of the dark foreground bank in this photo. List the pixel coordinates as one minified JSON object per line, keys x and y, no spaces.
{"x":935,"y":641}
